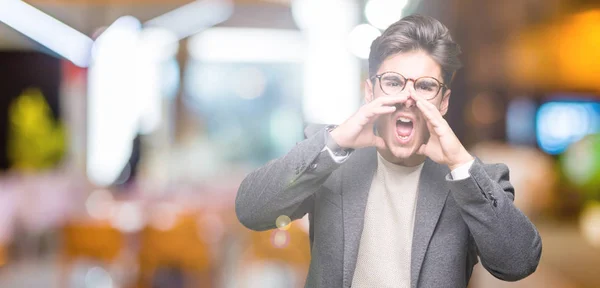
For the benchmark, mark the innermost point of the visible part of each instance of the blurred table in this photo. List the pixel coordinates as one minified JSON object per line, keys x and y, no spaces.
{"x":567,"y":261}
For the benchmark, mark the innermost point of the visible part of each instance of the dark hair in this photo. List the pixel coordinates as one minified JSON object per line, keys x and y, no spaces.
{"x":417,"y":32}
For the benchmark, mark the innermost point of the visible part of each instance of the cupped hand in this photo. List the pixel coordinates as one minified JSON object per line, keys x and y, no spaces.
{"x":357,"y":131}
{"x":443,"y":146}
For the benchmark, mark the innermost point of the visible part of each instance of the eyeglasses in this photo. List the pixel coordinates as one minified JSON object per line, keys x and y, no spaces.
{"x":392,"y":83}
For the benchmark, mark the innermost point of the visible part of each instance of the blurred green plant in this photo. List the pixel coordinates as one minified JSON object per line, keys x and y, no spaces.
{"x":35,"y":140}
{"x":580,"y":164}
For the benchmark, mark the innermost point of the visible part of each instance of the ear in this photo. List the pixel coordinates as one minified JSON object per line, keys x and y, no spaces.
{"x":445,"y":102}
{"x":368,"y":91}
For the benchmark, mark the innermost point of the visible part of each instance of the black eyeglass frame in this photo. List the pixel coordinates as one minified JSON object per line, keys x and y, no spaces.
{"x":441,"y":84}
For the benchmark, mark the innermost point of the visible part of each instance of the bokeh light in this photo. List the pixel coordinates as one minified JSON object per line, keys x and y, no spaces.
{"x":283,"y":222}
{"x":211,"y":227}
{"x":484,"y":109}
{"x":250,"y":82}
{"x":561,"y":123}
{"x":360,"y":40}
{"x":128,"y":217}
{"x":590,"y":223}
{"x":97,"y":277}
{"x":383,"y":13}
{"x":312,"y":15}
{"x":581,"y":164}
{"x":520,"y":121}
{"x":164,"y":216}
{"x":99,"y":204}
{"x":280,"y":238}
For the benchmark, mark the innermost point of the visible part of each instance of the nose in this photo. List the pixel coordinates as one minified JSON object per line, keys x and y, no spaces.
{"x":408,"y":101}
{"x":410,"y":92}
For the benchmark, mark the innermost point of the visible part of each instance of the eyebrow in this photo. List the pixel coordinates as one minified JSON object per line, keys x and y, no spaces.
{"x":396,"y":76}
{"x":392,"y":76}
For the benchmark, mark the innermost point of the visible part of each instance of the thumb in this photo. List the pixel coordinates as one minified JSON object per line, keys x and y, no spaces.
{"x":380,"y":143}
{"x":422,"y":149}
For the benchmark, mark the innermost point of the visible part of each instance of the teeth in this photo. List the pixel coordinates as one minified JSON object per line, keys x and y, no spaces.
{"x":405,"y":120}
{"x":403,"y":137}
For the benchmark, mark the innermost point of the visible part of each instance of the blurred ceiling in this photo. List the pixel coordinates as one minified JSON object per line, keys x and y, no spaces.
{"x":83,"y":17}
{"x":87,"y":16}
{"x":500,"y":38}
{"x":142,"y":2}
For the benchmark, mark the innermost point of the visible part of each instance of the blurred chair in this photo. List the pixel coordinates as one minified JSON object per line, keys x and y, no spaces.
{"x":99,"y":241}
{"x":276,"y":249}
{"x":167,"y":253}
{"x":3,"y":256}
{"x":296,"y":252}
{"x":96,"y":241}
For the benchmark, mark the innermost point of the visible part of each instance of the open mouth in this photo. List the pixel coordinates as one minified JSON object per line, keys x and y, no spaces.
{"x":404,"y":128}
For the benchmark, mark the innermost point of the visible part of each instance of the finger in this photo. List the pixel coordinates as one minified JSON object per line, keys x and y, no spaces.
{"x":371,"y":112}
{"x":434,"y":130}
{"x":426,"y":111}
{"x":434,"y":113}
{"x":419,"y":98}
{"x":431,"y":115}
{"x":387,"y":101}
{"x":423,"y":101}
{"x":383,"y":110}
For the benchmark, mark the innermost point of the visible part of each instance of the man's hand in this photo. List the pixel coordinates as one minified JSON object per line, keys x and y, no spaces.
{"x":443,"y":146}
{"x":357,"y":131}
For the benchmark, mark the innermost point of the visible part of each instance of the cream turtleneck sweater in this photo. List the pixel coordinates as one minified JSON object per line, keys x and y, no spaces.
{"x":384,"y":254}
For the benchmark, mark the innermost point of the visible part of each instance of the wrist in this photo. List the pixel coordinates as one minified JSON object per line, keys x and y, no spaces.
{"x":333,"y":142}
{"x":462,"y":159}
{"x":336,"y":136}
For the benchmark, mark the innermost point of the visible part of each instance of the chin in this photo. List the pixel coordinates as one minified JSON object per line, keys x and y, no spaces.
{"x":404,"y":147}
{"x":404,"y":152}
{"x":401,"y":152}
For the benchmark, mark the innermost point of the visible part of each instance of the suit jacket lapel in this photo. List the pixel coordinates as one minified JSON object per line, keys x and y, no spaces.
{"x":356,"y":182}
{"x":432,"y":194}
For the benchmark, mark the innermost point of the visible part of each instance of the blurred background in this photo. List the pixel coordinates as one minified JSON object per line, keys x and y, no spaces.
{"x":126,"y":127}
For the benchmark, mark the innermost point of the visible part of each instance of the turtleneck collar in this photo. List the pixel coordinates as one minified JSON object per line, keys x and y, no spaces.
{"x":398,"y":168}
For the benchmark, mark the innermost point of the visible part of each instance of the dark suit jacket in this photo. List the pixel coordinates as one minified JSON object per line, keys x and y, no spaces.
{"x":456,"y":220}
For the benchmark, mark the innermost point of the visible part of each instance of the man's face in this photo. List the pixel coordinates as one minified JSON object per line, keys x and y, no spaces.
{"x":405,"y":130}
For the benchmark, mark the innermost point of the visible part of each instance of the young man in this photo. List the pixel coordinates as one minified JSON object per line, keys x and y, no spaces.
{"x":406,"y":205}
